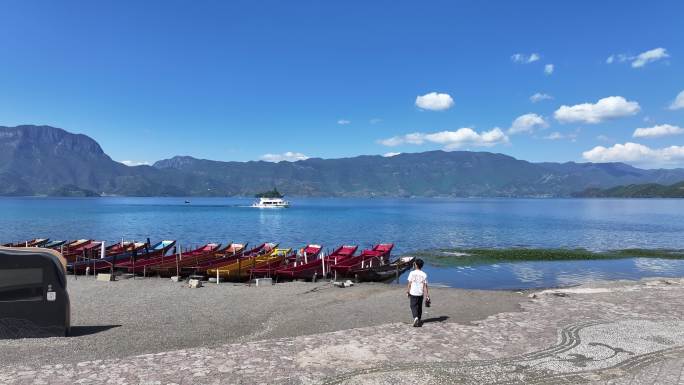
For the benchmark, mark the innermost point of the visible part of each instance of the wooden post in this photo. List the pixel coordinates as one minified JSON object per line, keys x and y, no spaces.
{"x":180,"y":255}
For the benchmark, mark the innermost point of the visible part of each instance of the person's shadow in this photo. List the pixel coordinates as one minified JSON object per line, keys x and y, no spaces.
{"x":435,"y":319}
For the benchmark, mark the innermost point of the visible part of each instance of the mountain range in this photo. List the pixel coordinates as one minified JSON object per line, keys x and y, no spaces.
{"x":44,"y":160}
{"x":646,"y":190}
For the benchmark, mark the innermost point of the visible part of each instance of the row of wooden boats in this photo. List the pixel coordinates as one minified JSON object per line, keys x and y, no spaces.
{"x":232,"y":261}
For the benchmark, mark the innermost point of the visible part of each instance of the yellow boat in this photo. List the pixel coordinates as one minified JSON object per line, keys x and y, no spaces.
{"x":241,"y":268}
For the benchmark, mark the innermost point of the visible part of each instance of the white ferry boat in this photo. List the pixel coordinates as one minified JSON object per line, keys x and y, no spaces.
{"x":271,"y":203}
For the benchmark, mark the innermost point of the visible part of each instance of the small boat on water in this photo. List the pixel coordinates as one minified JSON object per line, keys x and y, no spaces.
{"x":383,"y":273}
{"x":271,"y":203}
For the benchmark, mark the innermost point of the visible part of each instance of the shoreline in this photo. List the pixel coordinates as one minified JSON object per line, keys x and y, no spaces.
{"x":638,"y":321}
{"x":151,"y":315}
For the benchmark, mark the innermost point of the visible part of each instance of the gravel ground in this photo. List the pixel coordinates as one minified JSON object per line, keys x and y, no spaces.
{"x":130,"y":317}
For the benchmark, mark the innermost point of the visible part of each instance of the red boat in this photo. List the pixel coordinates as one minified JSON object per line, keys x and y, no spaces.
{"x":139,"y":266}
{"x":190,"y":262}
{"x":87,"y":250}
{"x":124,"y":247}
{"x":221,"y":261}
{"x":378,"y":255}
{"x":122,"y":253}
{"x":309,"y":265}
{"x":29,"y":243}
{"x":280,"y":257}
{"x":340,"y":254}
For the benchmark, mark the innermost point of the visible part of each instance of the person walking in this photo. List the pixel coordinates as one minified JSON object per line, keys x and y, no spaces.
{"x":416,"y":290}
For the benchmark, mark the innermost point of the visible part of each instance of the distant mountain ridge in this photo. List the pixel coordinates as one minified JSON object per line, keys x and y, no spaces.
{"x":646,"y":190}
{"x":43,"y":160}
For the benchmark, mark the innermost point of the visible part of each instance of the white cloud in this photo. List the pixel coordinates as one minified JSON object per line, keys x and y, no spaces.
{"x":451,"y":139}
{"x":637,"y":154}
{"x":131,"y":163}
{"x":572,"y":136}
{"x":524,"y":58}
{"x":343,"y":122}
{"x":641,"y":59}
{"x":539,"y":96}
{"x":678,"y":103}
{"x":658,"y":131}
{"x":375,"y":121}
{"x":548,"y":69}
{"x":286,"y":156}
{"x":390,"y":154}
{"x":606,"y":108}
{"x":649,"y":56}
{"x":527,"y":123}
{"x":603,"y":138}
{"x":434,"y":101}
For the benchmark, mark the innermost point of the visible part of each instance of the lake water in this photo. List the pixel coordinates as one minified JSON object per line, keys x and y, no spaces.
{"x":412,"y":224}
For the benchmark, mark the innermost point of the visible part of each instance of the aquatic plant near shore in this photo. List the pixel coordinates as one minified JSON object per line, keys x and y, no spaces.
{"x":483,"y":256}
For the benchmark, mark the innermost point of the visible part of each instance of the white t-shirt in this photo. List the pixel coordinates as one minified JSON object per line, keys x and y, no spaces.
{"x":417,"y":279}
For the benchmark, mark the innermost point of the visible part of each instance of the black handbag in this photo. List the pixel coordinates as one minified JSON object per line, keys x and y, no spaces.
{"x":427,"y":302}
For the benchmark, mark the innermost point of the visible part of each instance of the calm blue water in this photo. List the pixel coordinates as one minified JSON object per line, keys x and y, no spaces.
{"x":412,"y":224}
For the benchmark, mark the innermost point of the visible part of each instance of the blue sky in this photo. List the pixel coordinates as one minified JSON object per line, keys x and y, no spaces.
{"x":242,"y":79}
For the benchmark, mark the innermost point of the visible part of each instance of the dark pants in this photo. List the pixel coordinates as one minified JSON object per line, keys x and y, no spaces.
{"x":416,"y":305}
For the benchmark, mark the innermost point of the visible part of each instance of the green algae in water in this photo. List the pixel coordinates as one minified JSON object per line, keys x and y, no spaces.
{"x":482,"y":256}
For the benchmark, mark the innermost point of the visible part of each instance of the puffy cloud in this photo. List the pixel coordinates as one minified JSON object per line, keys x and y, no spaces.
{"x":678,"y":103}
{"x":637,"y":154}
{"x":606,"y":108}
{"x":390,"y":154}
{"x":451,"y":139}
{"x":538,"y":97}
{"x":649,"y":56}
{"x":524,"y":58}
{"x":658,"y":131}
{"x":548,"y":69}
{"x":343,"y":122}
{"x":527,"y":123}
{"x":434,"y":101}
{"x":131,"y":163}
{"x":641,"y":59}
{"x":286,"y":156}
